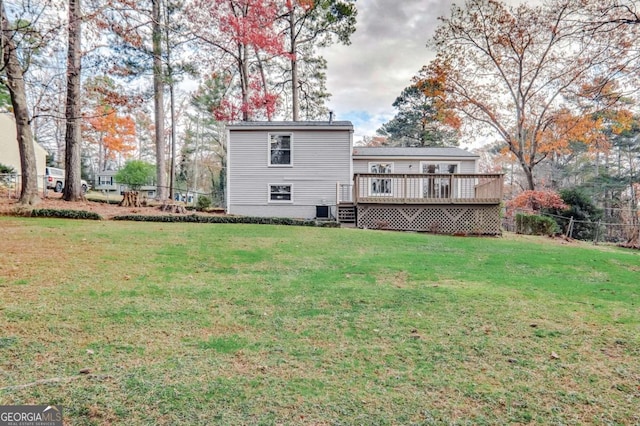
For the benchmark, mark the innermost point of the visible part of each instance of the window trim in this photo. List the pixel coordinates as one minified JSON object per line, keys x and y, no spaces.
{"x":269,"y":140}
{"x":372,"y":193}
{"x":289,"y":201}
{"x":453,"y":192}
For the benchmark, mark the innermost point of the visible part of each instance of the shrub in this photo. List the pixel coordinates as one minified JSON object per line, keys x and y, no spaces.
{"x":5,"y":171}
{"x":66,"y":214}
{"x":229,"y":219}
{"x":535,"y":201}
{"x":203,"y":203}
{"x":531,"y":224}
{"x":581,"y":207}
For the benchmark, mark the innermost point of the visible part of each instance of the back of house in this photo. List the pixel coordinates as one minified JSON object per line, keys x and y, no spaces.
{"x":287,"y":169}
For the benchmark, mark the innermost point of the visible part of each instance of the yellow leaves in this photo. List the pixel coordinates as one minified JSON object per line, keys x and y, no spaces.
{"x":621,"y":121}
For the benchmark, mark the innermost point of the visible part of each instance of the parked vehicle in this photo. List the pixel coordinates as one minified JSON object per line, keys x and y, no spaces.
{"x":54,"y":178}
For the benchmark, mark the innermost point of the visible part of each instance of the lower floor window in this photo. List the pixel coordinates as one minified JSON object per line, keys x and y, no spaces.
{"x":380,"y":186}
{"x":279,"y":192}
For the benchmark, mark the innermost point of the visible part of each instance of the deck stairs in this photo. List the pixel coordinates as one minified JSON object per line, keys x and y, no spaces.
{"x":347,"y":213}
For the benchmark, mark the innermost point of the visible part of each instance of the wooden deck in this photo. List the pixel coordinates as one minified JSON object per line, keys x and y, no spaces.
{"x":372,"y":188}
{"x":440,"y":203}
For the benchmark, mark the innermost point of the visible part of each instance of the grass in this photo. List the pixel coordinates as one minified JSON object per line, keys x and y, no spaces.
{"x":241,"y":324}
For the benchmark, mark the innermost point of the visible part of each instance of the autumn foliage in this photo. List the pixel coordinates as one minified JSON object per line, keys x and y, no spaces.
{"x":113,"y":133}
{"x":534,"y":201}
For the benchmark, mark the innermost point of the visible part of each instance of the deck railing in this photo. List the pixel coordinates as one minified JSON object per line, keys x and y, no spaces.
{"x":423,"y":189}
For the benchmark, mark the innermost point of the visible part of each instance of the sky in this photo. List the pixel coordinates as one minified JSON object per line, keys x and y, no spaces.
{"x":386,"y":51}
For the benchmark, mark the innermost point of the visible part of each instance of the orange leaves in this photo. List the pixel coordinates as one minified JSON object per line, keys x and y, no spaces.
{"x":432,"y":81}
{"x":113,"y":132}
{"x":307,"y":4}
{"x":533,"y":201}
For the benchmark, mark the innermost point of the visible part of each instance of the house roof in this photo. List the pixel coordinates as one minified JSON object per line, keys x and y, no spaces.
{"x":449,"y":152}
{"x":291,"y":125}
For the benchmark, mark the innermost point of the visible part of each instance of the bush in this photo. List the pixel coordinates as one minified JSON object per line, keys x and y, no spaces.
{"x":531,"y":224}
{"x":66,"y":214}
{"x":581,"y":207}
{"x":203,"y":203}
{"x":229,"y":219}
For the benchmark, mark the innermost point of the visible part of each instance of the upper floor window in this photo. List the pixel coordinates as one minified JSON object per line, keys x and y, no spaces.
{"x":280,"y":148}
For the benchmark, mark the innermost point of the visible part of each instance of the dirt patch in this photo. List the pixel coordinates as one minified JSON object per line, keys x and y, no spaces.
{"x":8,"y":206}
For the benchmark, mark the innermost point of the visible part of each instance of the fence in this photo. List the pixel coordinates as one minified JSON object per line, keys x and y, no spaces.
{"x":11,"y":186}
{"x":598,"y":231}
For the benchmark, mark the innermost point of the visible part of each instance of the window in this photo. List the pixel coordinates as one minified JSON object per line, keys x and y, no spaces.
{"x":280,"y":193}
{"x":280,"y":150}
{"x":105,"y":180}
{"x":380,"y":186}
{"x":441,"y":186}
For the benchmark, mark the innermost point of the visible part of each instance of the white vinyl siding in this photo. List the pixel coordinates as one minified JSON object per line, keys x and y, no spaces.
{"x":321,"y":159}
{"x":412,"y":165}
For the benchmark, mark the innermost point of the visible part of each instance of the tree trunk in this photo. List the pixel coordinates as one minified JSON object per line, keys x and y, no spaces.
{"x":172,"y":103}
{"x":295,"y":101}
{"x":73,"y":137}
{"x":158,"y":101}
{"x":131,"y":199}
{"x":15,"y":84}
{"x":244,"y":82}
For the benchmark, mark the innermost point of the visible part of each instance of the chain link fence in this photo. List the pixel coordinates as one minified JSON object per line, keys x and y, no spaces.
{"x":625,"y":231}
{"x":11,"y":186}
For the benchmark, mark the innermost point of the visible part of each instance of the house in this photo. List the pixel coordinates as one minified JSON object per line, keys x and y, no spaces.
{"x":287,"y":169}
{"x":10,"y":153}
{"x":311,"y":170}
{"x":106,"y":182}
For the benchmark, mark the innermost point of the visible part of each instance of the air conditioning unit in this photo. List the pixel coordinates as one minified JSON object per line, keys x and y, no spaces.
{"x":322,"y":212}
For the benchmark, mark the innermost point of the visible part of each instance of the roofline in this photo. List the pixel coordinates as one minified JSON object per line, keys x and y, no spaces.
{"x":261,"y":126}
{"x":424,"y":158}
{"x":415,"y":157}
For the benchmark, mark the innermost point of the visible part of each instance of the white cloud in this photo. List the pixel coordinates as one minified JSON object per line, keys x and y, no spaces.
{"x":387,"y":50}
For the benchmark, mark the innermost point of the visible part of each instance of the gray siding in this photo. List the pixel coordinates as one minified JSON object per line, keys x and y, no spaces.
{"x":321,"y":158}
{"x":412,"y":165}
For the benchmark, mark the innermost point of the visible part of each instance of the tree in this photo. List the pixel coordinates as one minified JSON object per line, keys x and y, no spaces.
{"x":313,"y":23}
{"x":134,"y":174}
{"x":108,"y":129}
{"x":158,"y":100}
{"x":515,"y":71}
{"x":73,"y":136}
{"x":580,"y":208}
{"x":535,"y":201}
{"x":204,"y":148}
{"x":113,"y":133}
{"x":15,"y":84}
{"x":418,"y":122}
{"x":241,"y":35}
{"x":139,"y":33}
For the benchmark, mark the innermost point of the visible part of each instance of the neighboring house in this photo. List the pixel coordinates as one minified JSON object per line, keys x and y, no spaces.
{"x":287,"y":169}
{"x":309,"y":169}
{"x":10,"y":153}
{"x":106,"y":182}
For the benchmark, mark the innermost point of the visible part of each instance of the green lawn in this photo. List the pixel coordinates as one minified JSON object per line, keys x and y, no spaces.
{"x":240,"y":324}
